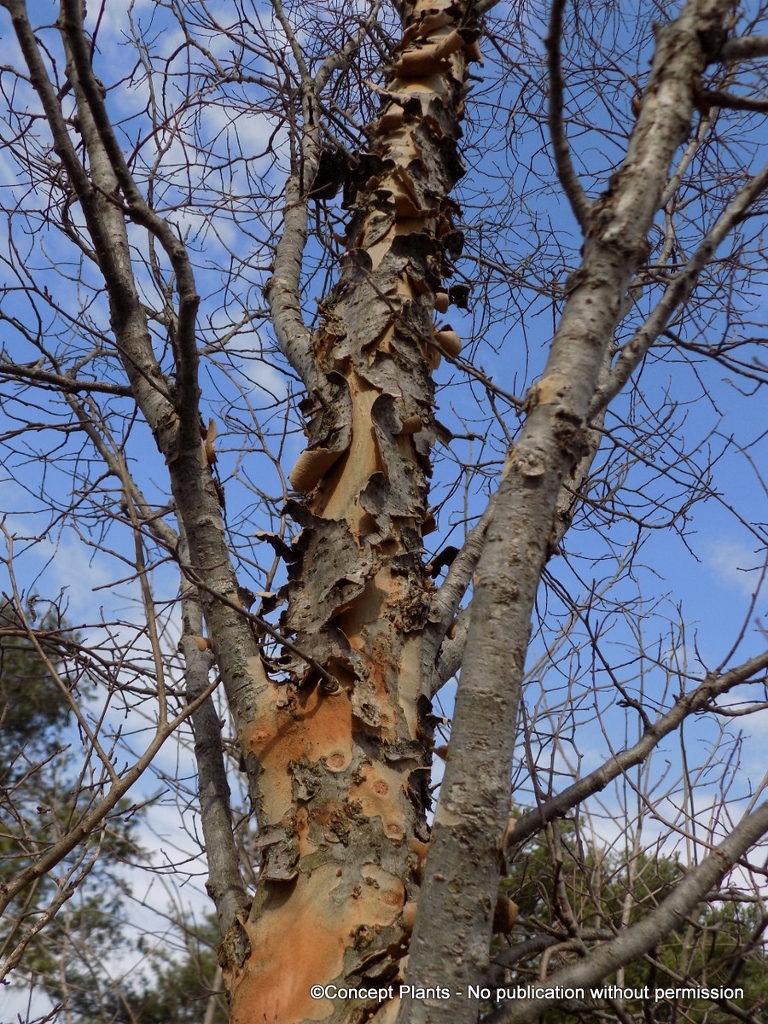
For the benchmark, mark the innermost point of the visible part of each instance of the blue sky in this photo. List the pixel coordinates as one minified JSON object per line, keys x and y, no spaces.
{"x":520,"y":241}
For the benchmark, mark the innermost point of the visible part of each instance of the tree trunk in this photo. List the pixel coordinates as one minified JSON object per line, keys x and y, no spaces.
{"x":357,"y":893}
{"x":342,"y":768}
{"x":463,"y":867}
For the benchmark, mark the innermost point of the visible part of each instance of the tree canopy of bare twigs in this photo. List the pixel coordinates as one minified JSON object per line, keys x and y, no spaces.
{"x":383,"y":485}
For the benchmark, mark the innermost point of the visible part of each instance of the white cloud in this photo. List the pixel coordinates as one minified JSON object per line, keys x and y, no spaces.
{"x":736,"y":564}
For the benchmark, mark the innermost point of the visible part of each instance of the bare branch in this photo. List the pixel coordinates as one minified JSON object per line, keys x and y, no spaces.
{"x":677,"y":292}
{"x":186,"y":355}
{"x":225,"y":883}
{"x":743,"y":48}
{"x":62,"y":383}
{"x":718,"y":98}
{"x":580,"y":204}
{"x":691,"y":703}
{"x":641,"y":938}
{"x":90,"y":821}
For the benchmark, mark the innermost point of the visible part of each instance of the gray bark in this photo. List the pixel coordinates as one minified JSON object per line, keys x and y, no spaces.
{"x":225,"y":883}
{"x":452,"y":931}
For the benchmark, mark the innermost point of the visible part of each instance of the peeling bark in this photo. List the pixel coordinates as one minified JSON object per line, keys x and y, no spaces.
{"x":337,"y":748}
{"x":342,"y":783}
